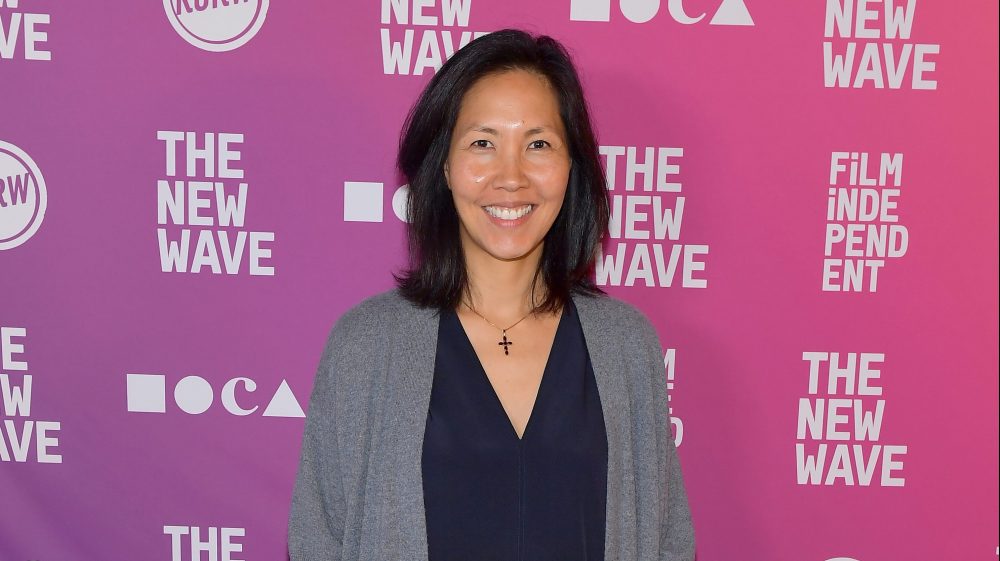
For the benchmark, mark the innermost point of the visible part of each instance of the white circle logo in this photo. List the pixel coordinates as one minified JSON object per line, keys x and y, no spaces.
{"x":399,"y":201}
{"x":22,"y":196}
{"x":216,"y":25}
{"x":193,"y":395}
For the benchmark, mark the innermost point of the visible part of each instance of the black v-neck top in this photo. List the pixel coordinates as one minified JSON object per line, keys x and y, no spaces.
{"x":489,"y":495}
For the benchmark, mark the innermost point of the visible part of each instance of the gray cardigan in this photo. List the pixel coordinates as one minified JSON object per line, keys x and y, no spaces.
{"x":359,"y":491}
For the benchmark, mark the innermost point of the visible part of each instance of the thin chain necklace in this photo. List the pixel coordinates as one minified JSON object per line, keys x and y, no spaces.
{"x":503,"y":342}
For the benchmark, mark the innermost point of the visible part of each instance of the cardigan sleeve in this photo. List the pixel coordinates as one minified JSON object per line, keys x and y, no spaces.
{"x":316,"y":520}
{"x":676,"y":529}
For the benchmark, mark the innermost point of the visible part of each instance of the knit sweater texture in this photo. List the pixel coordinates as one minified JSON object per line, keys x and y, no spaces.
{"x":358,"y":493}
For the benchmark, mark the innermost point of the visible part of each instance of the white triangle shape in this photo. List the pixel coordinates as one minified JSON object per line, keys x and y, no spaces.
{"x":732,"y":12}
{"x":284,"y":404}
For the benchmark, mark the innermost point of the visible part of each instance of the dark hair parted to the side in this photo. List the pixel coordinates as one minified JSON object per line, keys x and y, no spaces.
{"x":437,"y":277}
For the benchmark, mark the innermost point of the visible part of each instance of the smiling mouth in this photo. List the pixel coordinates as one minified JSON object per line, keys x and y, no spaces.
{"x":504,"y":213}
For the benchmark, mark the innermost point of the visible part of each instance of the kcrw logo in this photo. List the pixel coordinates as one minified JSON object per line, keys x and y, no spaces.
{"x":216,"y":25}
{"x":22,"y":196}
{"x":729,"y":12}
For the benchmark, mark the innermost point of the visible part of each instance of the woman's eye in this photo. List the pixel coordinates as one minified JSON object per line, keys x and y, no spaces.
{"x":481,"y":143}
{"x":539,"y":144}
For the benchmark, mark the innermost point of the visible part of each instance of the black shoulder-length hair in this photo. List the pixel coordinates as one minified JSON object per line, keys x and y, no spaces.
{"x":437,"y":276}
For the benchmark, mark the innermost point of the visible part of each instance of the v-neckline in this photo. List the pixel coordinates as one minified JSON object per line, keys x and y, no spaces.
{"x":541,"y":383}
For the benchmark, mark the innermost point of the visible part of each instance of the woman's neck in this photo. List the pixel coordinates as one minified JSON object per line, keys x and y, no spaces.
{"x":501,"y":290}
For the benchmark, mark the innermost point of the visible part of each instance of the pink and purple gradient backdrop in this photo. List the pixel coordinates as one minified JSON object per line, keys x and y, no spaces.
{"x":757,"y":126}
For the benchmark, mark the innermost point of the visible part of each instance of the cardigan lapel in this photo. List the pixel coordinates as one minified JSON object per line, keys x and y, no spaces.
{"x":414,"y":349}
{"x":613,"y":388}
{"x":413,"y":346}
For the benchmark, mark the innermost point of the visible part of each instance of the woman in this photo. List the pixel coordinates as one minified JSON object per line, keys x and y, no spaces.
{"x":497,"y":404}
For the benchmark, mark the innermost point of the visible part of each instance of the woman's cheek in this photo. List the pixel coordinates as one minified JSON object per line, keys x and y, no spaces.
{"x":475,"y":172}
{"x":550,"y":173}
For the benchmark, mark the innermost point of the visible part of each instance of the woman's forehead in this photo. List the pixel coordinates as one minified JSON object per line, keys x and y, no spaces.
{"x":518,"y":100}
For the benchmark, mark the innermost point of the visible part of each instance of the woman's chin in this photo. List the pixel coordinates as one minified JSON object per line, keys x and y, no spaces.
{"x":511,"y":252}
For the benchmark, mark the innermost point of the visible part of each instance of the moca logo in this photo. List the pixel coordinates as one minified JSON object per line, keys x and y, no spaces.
{"x":216,"y":25}
{"x":146,"y":393}
{"x":730,"y":12}
{"x":22,"y":196}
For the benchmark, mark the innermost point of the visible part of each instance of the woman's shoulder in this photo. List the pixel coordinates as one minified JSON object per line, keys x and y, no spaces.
{"x":374,"y":307}
{"x":613,"y":312}
{"x":375,"y":310}
{"x":366,"y":319}
{"x":625,"y":324}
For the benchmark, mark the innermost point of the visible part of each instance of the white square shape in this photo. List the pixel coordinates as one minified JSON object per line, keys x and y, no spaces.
{"x":146,"y":393}
{"x":590,"y":10}
{"x":362,"y":201}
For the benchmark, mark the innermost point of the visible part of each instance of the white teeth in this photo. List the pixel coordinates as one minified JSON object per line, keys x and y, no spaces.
{"x":508,"y":213}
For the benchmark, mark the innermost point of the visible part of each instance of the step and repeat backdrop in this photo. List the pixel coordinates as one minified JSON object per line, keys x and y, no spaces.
{"x":804,"y":203}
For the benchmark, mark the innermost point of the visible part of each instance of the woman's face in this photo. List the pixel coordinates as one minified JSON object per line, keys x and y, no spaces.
{"x":508,"y":165}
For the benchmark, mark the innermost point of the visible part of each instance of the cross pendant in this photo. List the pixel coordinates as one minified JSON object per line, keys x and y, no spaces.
{"x":505,"y":343}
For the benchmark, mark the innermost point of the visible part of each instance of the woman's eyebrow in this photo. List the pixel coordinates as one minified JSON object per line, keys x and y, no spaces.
{"x":489,"y":130}
{"x":483,"y":129}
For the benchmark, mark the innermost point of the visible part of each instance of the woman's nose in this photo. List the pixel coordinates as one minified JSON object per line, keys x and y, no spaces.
{"x":510,"y":174}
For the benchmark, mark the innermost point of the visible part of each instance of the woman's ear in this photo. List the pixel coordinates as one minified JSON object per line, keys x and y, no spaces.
{"x":447,"y":181}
